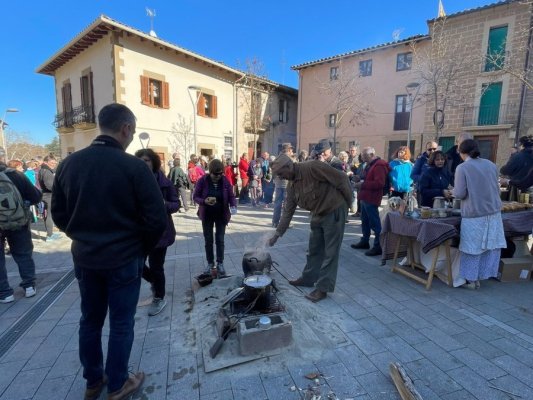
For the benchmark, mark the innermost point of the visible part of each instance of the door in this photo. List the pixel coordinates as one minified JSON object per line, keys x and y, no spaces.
{"x":487,"y":146}
{"x":446,"y":142}
{"x":489,"y":104}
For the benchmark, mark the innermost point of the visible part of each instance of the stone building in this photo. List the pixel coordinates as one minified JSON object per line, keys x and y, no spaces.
{"x":487,"y":97}
{"x":184,"y":102}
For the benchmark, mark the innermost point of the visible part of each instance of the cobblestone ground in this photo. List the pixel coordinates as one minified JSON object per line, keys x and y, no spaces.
{"x":454,"y":343}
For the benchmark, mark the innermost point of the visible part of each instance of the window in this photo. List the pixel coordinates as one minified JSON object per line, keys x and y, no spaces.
{"x":283,"y":114}
{"x":404,"y":61}
{"x":496,"y":49}
{"x":333,"y":73}
{"x":489,"y":104}
{"x":207,"y":105}
{"x":154,"y":92}
{"x":228,"y":154}
{"x":228,"y":141}
{"x":365,"y":68}
{"x":332,"y":120}
{"x":488,"y":145}
{"x":66,"y":95}
{"x":87,"y":97}
{"x":402,"y":113}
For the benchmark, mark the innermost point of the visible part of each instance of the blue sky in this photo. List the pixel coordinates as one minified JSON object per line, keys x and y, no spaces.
{"x":280,"y":33}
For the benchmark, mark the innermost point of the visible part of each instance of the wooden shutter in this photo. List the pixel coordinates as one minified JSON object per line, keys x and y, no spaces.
{"x":214,"y":106}
{"x":200,"y":107}
{"x":82,"y":90}
{"x":165,"y":94}
{"x":145,"y":90}
{"x":91,"y":87}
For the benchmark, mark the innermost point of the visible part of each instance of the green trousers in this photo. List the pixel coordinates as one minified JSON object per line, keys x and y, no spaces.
{"x":325,"y":242}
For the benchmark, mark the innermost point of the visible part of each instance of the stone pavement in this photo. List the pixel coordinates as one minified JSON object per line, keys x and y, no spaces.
{"x":454,"y":343}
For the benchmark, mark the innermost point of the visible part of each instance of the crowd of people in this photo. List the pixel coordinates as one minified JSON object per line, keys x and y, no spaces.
{"x":117,"y":210}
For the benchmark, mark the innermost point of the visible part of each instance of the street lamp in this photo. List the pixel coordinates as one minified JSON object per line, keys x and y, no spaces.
{"x":194,"y":107}
{"x":144,"y":137}
{"x":8,"y":110}
{"x":410,"y":88}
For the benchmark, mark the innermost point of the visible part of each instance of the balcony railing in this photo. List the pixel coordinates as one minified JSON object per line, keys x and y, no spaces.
{"x":63,"y":120}
{"x":84,"y":113}
{"x":490,"y":115}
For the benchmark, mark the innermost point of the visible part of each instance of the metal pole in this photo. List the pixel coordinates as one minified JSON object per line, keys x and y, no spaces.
{"x":410,"y":119}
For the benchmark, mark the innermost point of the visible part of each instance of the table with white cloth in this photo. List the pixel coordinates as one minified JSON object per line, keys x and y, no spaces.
{"x":426,"y":244}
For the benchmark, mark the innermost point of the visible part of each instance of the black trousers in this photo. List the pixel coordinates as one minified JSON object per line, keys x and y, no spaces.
{"x":220,"y":227}
{"x":154,"y":272}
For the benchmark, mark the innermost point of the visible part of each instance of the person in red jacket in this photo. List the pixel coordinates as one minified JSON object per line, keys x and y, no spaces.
{"x":370,"y":193}
{"x":230,"y":174}
{"x":243,"y":172}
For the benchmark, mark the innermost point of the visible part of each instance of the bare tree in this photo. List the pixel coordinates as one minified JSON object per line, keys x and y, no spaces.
{"x":21,"y":146}
{"x":256,"y":91}
{"x":181,"y":138}
{"x":441,"y":68}
{"x":349,"y":100}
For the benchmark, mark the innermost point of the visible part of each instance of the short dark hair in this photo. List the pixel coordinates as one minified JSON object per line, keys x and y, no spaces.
{"x":215,"y":165}
{"x":470,"y":147}
{"x":112,"y":117}
{"x":49,"y":157}
{"x":152,"y":155}
{"x":177,"y":162}
{"x":526,"y":141}
{"x":431,"y":160}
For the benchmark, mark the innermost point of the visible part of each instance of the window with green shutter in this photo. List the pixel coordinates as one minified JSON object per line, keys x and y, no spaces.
{"x":496,"y":49}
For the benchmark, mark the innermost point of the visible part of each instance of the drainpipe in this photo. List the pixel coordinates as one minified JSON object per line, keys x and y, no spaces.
{"x":236,"y":120}
{"x":526,"y":66}
{"x":299,"y":128}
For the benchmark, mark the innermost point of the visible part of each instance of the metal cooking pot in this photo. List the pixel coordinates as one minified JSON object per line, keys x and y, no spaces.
{"x":255,"y":285}
{"x":256,"y":262}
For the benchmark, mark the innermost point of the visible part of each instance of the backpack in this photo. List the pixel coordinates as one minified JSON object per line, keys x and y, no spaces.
{"x":193,"y":174}
{"x":13,"y":215}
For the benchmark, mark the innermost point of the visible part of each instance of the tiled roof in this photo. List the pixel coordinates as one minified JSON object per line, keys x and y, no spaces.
{"x":415,"y":38}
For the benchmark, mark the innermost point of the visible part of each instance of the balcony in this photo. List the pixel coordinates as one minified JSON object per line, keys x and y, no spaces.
{"x":64,"y":122}
{"x":503,"y":114}
{"x":83,"y":117}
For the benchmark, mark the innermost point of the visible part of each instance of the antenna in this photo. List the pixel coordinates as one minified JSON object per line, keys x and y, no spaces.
{"x":151,"y":15}
{"x":396,"y":34}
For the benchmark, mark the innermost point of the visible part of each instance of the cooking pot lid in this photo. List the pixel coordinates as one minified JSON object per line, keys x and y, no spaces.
{"x":258,"y":281}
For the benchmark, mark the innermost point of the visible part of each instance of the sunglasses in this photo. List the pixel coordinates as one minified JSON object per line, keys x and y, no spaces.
{"x":432,"y":149}
{"x":216,"y":173}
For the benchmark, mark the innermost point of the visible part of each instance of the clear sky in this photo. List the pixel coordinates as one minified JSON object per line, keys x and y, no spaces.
{"x":281,"y":33}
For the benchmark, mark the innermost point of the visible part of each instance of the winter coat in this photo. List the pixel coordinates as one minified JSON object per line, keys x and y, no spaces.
{"x":400,"y":175}
{"x":243,"y":169}
{"x":519,"y":169}
{"x":230,"y":175}
{"x":178,"y":177}
{"x":432,"y":183}
{"x":201,"y":191}
{"x":375,"y":177}
{"x":421,"y":166}
{"x":171,"y":204}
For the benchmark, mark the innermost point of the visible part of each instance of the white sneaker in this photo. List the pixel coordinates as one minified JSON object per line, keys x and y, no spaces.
{"x":30,"y":291}
{"x":8,"y":299}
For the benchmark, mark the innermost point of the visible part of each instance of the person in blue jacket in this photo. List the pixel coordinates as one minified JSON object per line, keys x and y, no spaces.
{"x":436,"y":181}
{"x":421,"y":164}
{"x":400,"y":174}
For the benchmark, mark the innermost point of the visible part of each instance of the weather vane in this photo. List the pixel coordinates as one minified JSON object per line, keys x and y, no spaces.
{"x":151,"y":15}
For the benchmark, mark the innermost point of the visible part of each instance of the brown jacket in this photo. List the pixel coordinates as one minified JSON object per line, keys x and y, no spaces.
{"x":317,"y":187}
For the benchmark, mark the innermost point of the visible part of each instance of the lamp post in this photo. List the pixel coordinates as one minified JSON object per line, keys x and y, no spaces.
{"x":194,"y":107}
{"x":409,"y":89}
{"x":144,"y":137}
{"x":4,"y":143}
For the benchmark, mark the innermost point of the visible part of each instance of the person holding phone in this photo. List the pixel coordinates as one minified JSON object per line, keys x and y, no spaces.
{"x":214,"y":195}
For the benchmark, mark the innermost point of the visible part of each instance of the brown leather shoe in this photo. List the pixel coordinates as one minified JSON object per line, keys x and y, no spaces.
{"x":300,"y":282}
{"x":316,"y":295}
{"x":132,"y":384}
{"x":93,"y":392}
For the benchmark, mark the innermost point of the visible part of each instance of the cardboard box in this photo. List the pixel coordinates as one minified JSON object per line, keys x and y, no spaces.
{"x":516,"y":269}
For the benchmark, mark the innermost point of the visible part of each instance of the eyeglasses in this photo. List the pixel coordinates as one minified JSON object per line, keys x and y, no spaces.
{"x":432,"y":149}
{"x":216,"y":173}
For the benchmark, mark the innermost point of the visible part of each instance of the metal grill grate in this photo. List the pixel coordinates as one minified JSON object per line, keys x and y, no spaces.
{"x":10,"y":337}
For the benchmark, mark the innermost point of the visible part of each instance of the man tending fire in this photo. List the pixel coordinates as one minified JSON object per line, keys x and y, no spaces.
{"x":326,"y":193}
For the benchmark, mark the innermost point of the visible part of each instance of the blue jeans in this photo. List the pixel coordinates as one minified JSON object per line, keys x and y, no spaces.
{"x":21,"y":248}
{"x":279,"y":197}
{"x":370,"y":221}
{"x":116,"y":289}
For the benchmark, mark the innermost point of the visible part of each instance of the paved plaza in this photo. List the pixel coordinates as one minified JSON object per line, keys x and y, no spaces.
{"x":454,"y":343}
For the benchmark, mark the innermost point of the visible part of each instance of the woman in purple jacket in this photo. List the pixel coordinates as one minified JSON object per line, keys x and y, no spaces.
{"x":214,"y":195}
{"x":155,"y":273}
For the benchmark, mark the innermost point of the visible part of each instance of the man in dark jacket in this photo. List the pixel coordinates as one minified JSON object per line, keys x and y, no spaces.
{"x":110,"y":205}
{"x":519,"y":168}
{"x":370,"y":193}
{"x":46,"y":183}
{"x":421,"y":163}
{"x":322,"y":152}
{"x":453,"y":159}
{"x":19,"y":240}
{"x":326,"y":193}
